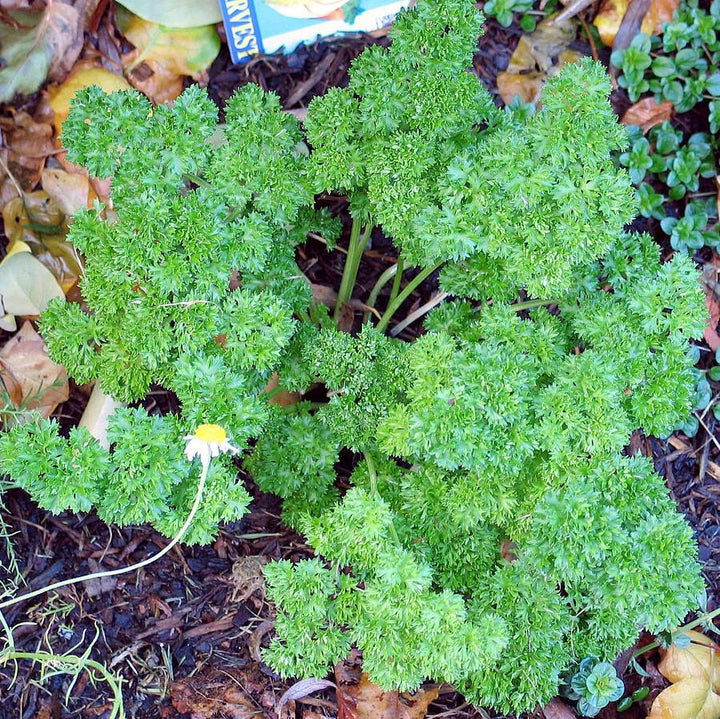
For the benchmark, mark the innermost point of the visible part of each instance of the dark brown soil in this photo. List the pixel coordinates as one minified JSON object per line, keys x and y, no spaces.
{"x":182,"y":633}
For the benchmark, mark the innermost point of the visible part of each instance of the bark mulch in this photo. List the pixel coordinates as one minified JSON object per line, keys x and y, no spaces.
{"x":186,"y":632}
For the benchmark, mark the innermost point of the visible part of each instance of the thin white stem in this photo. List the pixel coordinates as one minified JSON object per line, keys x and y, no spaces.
{"x":418,"y":313}
{"x":121,"y":570}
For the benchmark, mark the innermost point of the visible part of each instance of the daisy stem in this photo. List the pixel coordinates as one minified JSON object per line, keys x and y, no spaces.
{"x":138,"y":565}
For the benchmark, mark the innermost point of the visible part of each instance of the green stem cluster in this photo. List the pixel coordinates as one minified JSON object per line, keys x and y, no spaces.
{"x":411,"y":286}
{"x":357,"y":245}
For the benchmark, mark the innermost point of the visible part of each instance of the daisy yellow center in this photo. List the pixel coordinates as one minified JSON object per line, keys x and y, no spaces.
{"x":211,"y":433}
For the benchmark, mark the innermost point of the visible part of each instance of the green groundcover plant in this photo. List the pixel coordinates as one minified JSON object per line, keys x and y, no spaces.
{"x":493,"y":533}
{"x":682,"y":67}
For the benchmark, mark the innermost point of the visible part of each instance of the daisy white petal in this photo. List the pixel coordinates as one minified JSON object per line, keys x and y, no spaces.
{"x":208,"y":441}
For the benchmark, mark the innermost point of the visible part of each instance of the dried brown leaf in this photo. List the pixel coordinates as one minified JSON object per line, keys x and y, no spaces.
{"x":537,"y":55}
{"x":710,"y":276}
{"x":282,"y":397}
{"x":153,"y":79}
{"x":346,"y":318}
{"x":323,"y":294}
{"x":70,"y":191}
{"x":98,"y":586}
{"x":368,"y":701}
{"x":647,"y":113}
{"x":212,"y":699}
{"x":63,"y":38}
{"x":557,"y":709}
{"x":24,"y":360}
{"x":28,"y":143}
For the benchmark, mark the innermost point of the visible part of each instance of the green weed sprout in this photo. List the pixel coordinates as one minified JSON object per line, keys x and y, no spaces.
{"x":594,"y":685}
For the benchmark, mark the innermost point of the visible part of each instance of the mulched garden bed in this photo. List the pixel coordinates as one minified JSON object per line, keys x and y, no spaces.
{"x":186,"y":632}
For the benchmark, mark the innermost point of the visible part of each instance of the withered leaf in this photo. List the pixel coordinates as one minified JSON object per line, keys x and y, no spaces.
{"x":368,"y":701}
{"x":37,"y":220}
{"x":690,"y":698}
{"x":700,"y":659}
{"x":33,"y":380}
{"x":212,"y":694}
{"x":28,"y":143}
{"x":647,"y":113}
{"x":537,"y":55}
{"x":70,"y":191}
{"x":611,"y":13}
{"x":710,"y":277}
{"x":164,"y":55}
{"x":38,"y":45}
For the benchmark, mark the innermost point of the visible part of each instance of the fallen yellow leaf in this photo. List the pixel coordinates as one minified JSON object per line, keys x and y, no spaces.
{"x":37,"y":221}
{"x":537,"y":56}
{"x":690,"y":698}
{"x":611,"y":13}
{"x":168,"y":54}
{"x":83,"y":75}
{"x":700,"y":660}
{"x":15,"y":247}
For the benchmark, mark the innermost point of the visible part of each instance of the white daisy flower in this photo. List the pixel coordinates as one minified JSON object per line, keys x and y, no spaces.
{"x":208,"y":441}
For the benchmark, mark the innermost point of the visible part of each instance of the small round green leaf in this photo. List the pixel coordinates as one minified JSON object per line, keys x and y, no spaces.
{"x":663,"y":66}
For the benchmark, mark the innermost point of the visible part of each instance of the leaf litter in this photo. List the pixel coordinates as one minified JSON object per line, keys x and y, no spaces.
{"x":537,"y":56}
{"x":37,"y":220}
{"x":38,"y":46}
{"x":695,"y":675}
{"x":163,"y":56}
{"x":32,"y":381}
{"x":371,"y":700}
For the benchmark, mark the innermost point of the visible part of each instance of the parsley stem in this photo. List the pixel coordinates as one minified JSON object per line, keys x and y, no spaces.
{"x":390,"y":273}
{"x":398,"y":278}
{"x":411,"y":286}
{"x":197,"y":180}
{"x":372,"y":475}
{"x":356,"y":248}
{"x":702,"y":619}
{"x":532,"y":304}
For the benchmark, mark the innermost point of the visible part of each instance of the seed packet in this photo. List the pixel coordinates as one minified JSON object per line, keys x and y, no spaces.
{"x":265,"y":26}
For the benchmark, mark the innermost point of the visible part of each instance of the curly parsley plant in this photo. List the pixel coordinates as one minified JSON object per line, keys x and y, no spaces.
{"x":492,"y":533}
